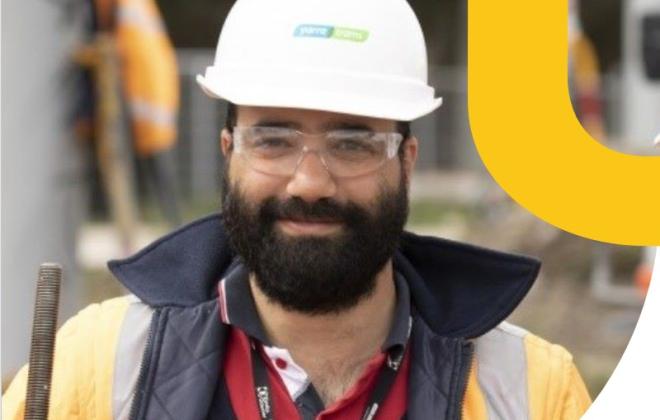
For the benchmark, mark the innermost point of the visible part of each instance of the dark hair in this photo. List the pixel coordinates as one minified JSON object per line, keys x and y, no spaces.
{"x":402,"y":127}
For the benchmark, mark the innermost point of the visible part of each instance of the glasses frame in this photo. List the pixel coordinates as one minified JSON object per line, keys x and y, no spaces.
{"x":393,"y":140}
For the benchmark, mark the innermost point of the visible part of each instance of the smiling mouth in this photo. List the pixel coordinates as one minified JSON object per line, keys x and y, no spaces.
{"x":309,"y":226}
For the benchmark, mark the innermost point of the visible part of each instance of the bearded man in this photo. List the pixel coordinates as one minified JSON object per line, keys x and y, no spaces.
{"x":305,"y":298}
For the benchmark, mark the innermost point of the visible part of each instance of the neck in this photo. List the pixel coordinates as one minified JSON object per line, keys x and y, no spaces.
{"x":352,"y":335}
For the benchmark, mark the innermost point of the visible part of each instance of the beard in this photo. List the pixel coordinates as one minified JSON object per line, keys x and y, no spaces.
{"x":315,"y":274}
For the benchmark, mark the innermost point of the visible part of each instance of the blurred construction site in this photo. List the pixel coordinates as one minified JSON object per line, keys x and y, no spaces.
{"x":108,"y":143}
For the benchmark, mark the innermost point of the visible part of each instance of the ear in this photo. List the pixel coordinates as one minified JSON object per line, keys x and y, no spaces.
{"x":225,"y":143}
{"x":410,"y":149}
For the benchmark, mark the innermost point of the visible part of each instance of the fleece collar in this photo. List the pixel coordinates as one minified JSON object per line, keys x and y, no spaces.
{"x":459,"y":290}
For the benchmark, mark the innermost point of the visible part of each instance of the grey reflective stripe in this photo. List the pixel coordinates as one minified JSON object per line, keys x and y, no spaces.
{"x":130,"y":348}
{"x":502,"y":372}
{"x":153,"y":113}
{"x":137,"y":15}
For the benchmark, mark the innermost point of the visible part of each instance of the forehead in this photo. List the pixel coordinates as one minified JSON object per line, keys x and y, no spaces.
{"x":308,"y":120}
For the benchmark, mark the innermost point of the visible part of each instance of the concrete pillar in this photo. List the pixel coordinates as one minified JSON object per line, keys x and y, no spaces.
{"x":42,"y":172}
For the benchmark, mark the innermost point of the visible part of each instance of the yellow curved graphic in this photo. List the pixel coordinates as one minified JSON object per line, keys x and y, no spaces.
{"x":529,"y":138}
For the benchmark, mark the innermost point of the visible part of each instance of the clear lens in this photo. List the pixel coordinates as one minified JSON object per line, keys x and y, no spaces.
{"x":271,"y":143}
{"x":345,"y":153}
{"x":355,"y":147}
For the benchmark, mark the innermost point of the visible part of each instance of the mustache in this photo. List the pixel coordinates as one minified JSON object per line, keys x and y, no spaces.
{"x":326,"y":210}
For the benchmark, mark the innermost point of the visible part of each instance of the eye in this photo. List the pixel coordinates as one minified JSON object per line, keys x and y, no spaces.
{"x":354,"y":150}
{"x":272,"y":143}
{"x":352,"y":145}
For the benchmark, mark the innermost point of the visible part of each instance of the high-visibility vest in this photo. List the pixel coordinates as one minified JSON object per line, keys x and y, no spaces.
{"x":515,"y":374}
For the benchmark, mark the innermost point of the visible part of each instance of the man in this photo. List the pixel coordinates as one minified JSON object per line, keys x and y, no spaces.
{"x":305,"y":298}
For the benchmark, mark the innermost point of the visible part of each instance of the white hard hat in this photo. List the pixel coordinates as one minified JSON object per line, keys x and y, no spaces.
{"x":360,"y":57}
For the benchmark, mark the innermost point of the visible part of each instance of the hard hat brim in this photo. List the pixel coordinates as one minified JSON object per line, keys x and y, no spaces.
{"x":409,"y":103}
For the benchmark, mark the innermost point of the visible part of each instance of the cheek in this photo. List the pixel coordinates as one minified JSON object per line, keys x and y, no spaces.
{"x":366,"y":190}
{"x":254,"y":185}
{"x":390,"y":177}
{"x":361,"y":190}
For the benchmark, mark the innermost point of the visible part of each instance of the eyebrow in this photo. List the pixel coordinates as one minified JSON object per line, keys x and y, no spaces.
{"x":338,"y":125}
{"x":347,"y":126}
{"x":277,"y":123}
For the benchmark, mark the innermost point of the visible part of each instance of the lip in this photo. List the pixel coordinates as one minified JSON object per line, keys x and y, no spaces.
{"x":309,"y":227}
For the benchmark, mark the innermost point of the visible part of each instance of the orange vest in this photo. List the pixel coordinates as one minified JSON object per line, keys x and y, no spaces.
{"x":149,"y":70}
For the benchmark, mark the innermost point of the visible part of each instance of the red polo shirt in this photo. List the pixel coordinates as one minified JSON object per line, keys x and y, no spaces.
{"x":237,"y":369}
{"x":292,"y":394}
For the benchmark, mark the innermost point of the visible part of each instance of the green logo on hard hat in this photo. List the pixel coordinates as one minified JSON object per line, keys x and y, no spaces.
{"x":336,"y":32}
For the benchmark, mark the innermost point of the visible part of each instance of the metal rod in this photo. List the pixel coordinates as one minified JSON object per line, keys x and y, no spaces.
{"x":42,"y":347}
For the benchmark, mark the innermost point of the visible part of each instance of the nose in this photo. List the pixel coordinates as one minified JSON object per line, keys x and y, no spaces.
{"x":311,"y":181}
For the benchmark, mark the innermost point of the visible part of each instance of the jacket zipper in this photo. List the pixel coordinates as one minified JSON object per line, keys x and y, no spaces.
{"x":467,"y":352}
{"x":139,"y":391}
